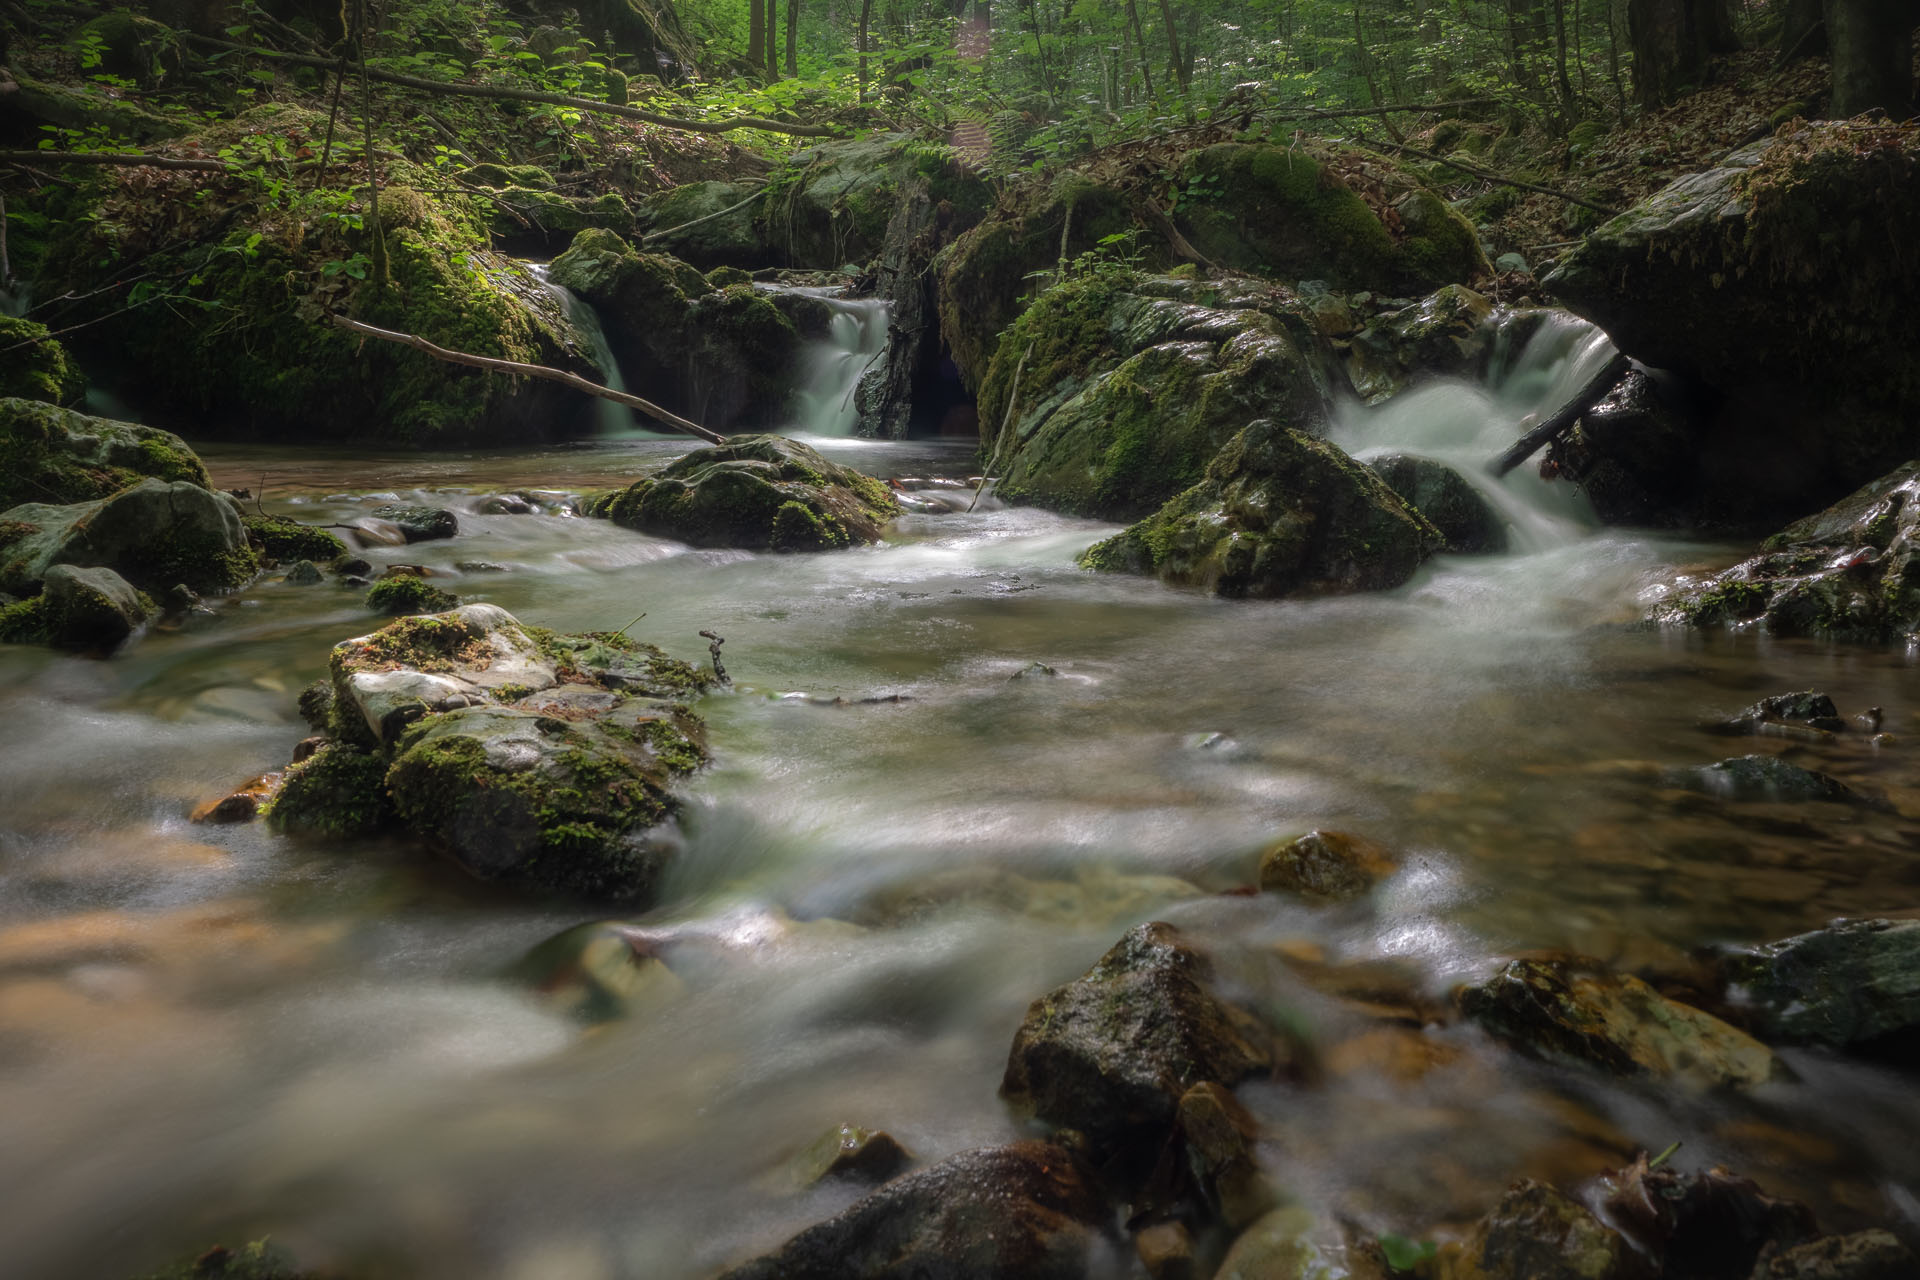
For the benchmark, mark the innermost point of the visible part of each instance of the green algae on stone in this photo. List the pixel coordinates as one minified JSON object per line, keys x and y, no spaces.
{"x":1279,"y":513}
{"x":337,"y":793}
{"x":288,"y":540}
{"x":40,"y":368}
{"x":408,"y":595}
{"x":54,"y":455}
{"x":759,"y":493}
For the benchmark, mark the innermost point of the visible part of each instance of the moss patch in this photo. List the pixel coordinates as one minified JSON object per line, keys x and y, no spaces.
{"x":338,"y":793}
{"x":288,"y":540}
{"x":40,"y":371}
{"x":408,"y":595}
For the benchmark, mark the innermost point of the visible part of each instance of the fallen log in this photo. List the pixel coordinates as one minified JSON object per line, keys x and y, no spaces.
{"x":128,"y":159}
{"x":1591,"y":393}
{"x":1500,"y":178}
{"x":514,"y":367}
{"x":508,"y":93}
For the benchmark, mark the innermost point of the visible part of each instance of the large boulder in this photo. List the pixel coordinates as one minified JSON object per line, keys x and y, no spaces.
{"x":1114,"y":391}
{"x":92,"y":610}
{"x":1279,"y":513}
{"x":1561,"y":1011}
{"x":830,"y":205}
{"x":763,"y":493}
{"x":247,"y":347}
{"x":1299,"y":212}
{"x":537,"y":759}
{"x":1851,"y":572}
{"x":719,"y":356}
{"x":49,"y":454}
{"x":1025,"y":1211}
{"x":154,"y":534}
{"x":1768,"y":278}
{"x":709,"y":224}
{"x":1539,"y":1233}
{"x":1111,"y":1053}
{"x":1465,"y":519}
{"x":1855,"y":983}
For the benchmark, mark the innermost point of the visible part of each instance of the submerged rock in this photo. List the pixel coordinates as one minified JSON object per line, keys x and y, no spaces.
{"x":1556,"y":1010}
{"x":1864,"y":1255}
{"x":1219,"y":1135}
{"x":596,"y":972}
{"x":1024,"y":1211}
{"x":1766,"y":278}
{"x":1853,"y":984}
{"x":1466,"y":521}
{"x":1851,"y":572}
{"x":1111,"y":1053}
{"x":758,"y":492}
{"x":154,"y":534}
{"x":1765,"y":779}
{"x":852,"y":1154}
{"x":421,"y":524}
{"x":1325,"y":866}
{"x":54,"y":455}
{"x":1537,"y":1233}
{"x":1806,"y":708}
{"x":1293,"y":1244}
{"x":1279,"y":513}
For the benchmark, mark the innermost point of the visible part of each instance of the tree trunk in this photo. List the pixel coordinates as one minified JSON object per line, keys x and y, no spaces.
{"x":1140,"y":42}
{"x":1671,"y":40}
{"x":1560,"y":80}
{"x":756,"y":34}
{"x":793,"y":38}
{"x":1872,"y":44}
{"x":1798,"y":39}
{"x":773,"y":39}
{"x":1174,"y":61}
{"x":866,"y":16}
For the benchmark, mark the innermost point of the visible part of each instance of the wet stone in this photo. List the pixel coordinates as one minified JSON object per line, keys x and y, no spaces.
{"x":1814,"y":710}
{"x":1325,"y":866}
{"x":1853,"y":983}
{"x":303,"y":573}
{"x":1111,"y":1053}
{"x":1024,"y":1211}
{"x":851,"y":1153}
{"x":1765,"y":779}
{"x":1453,"y":506}
{"x":1864,"y":1255}
{"x":596,"y":972}
{"x":1034,"y":671}
{"x":241,"y":805}
{"x":1220,"y":1135}
{"x":420,"y":524}
{"x":1537,"y":1233}
{"x":1559,"y":1011}
{"x":1293,"y":1244}
{"x":1711,"y":1225}
{"x":1165,"y":1249}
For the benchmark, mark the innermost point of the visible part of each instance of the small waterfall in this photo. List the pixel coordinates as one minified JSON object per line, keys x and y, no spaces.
{"x":831,"y":367}
{"x":614,"y":419}
{"x":1467,"y":425}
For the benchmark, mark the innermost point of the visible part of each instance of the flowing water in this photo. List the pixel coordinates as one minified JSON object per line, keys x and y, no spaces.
{"x":613,"y":419}
{"x":831,"y":367}
{"x":213,"y":1033}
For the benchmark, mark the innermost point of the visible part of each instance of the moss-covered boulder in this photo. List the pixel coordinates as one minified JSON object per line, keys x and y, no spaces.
{"x":281,"y":540}
{"x":404,"y":595}
{"x":154,"y":534}
{"x":1851,"y":572}
{"x":989,"y":275}
{"x":722,"y":357}
{"x":1539,"y":1233}
{"x":1768,"y":278}
{"x":1563,"y":1011}
{"x":538,"y":759}
{"x":91,"y":610}
{"x":1279,"y":513}
{"x":1852,"y":985}
{"x":246,"y":347}
{"x":1111,"y":1053}
{"x":1114,"y":392}
{"x":829,"y":205}
{"x":1465,"y":519}
{"x":710,"y":224}
{"x":763,"y":493}
{"x":49,"y":454}
{"x":530,"y":218}
{"x":36,"y":366}
{"x":1025,"y":1211}
{"x":1298,"y":213}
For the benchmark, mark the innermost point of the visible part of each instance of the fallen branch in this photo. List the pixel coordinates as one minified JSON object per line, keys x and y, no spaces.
{"x":662,"y":234}
{"x":124,"y":158}
{"x":1006,"y":425}
{"x":1181,"y":246}
{"x":1501,"y":178}
{"x":1590,"y":394}
{"x":514,"y":367}
{"x":510,"y":94}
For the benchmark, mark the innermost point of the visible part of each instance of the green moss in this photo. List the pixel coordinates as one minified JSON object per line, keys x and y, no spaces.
{"x":282,"y":539}
{"x":797,"y":528}
{"x":677,"y":752}
{"x":54,"y":455}
{"x":421,"y":643}
{"x":199,"y":560}
{"x":1280,"y":212}
{"x":408,"y":595}
{"x":41,"y":371}
{"x":338,"y":793}
{"x":721,"y":277}
{"x":1730,"y":602}
{"x":1059,"y":339}
{"x":258,"y":1260}
{"x":24,"y":622}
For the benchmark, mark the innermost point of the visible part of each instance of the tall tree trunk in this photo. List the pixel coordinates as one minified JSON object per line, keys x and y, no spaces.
{"x":1174,"y":61}
{"x":1140,"y":43}
{"x":773,"y":39}
{"x":866,"y":16}
{"x":756,"y":34}
{"x":793,"y":37}
{"x":1560,"y":80}
{"x":1798,"y":38}
{"x":1671,"y":40}
{"x":1872,"y":56}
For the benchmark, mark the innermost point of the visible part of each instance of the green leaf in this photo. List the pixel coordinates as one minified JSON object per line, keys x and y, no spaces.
{"x":1403,"y":1254}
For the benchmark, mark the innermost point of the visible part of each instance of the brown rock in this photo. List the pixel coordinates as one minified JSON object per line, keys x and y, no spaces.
{"x":1325,"y":866}
{"x":850,"y":1152}
{"x":1220,"y":1136}
{"x":241,"y":805}
{"x":1536,"y":1233}
{"x":1166,"y":1251}
{"x":1865,"y":1255}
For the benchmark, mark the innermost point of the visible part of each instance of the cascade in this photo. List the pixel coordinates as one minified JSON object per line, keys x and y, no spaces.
{"x":831,"y":367}
{"x":614,"y":419}
{"x":1466,"y":425}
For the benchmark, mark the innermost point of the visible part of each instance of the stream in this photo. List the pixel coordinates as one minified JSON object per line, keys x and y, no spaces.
{"x":214,"y":1033}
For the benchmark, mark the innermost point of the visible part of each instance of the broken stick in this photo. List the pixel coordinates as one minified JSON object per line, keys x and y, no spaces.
{"x":1591,"y":393}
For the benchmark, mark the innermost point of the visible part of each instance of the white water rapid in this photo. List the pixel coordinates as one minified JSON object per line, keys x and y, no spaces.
{"x":613,"y":419}
{"x":831,"y":367}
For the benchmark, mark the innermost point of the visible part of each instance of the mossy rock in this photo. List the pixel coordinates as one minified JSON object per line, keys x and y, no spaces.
{"x":337,"y":793}
{"x":406,"y":595}
{"x":987,"y":276}
{"x":54,"y":455}
{"x":285,"y":540}
{"x":703,"y":223}
{"x":86,"y":109}
{"x":531,"y":177}
{"x":1128,"y":387}
{"x":247,"y":349}
{"x":523,"y":215}
{"x":123,"y":43}
{"x":1279,"y":513}
{"x":154,"y":534}
{"x":830,"y":205}
{"x":762,"y":493}
{"x":41,"y":371}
